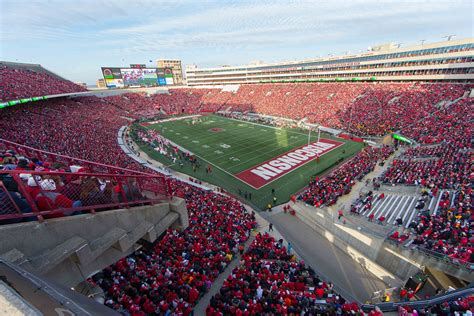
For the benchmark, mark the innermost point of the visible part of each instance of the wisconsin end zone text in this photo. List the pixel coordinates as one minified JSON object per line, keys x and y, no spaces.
{"x":268,"y":171}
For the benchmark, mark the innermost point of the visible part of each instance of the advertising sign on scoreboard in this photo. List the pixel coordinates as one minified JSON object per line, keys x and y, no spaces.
{"x":114,"y":83}
{"x":160,"y":73}
{"x":112,"y":77}
{"x":169,"y":76}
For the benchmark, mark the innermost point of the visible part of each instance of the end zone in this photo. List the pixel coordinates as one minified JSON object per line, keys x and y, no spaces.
{"x":275,"y":168}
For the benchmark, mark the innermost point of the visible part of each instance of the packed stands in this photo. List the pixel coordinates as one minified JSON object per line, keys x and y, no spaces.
{"x":214,"y":99}
{"x":185,"y":100}
{"x":171,"y":275}
{"x":442,"y":165}
{"x":135,"y":105}
{"x":384,"y":108}
{"x":366,"y":109}
{"x":447,"y":123}
{"x":20,"y":83}
{"x":443,"y":159}
{"x":326,"y":191}
{"x":460,"y":306}
{"x":271,"y":281}
{"x":189,"y":261}
{"x":85,"y":128}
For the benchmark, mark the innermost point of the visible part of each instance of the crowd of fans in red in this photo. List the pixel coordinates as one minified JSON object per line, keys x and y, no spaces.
{"x":461,"y":306}
{"x":360,"y":108}
{"x":20,"y":83}
{"x":443,"y":161}
{"x":57,"y":187}
{"x":326,"y":191}
{"x":87,"y":128}
{"x":171,"y":275}
{"x":449,"y":231}
{"x":270,"y":281}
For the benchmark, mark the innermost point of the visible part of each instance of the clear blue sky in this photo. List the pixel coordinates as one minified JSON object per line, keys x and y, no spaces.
{"x":74,"y":38}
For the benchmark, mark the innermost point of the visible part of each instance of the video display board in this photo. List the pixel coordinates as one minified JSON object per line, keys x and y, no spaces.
{"x":116,"y":77}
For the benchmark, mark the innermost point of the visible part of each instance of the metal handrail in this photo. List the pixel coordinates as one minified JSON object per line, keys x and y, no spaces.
{"x":449,"y":296}
{"x":39,"y":199}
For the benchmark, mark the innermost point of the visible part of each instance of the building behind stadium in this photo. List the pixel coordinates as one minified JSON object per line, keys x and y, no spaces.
{"x":175,"y":65}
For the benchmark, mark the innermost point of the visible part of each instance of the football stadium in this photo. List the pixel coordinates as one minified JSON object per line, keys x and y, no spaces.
{"x":338,"y":185}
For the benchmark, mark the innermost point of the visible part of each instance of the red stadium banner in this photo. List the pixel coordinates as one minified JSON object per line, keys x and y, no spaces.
{"x":271,"y":170}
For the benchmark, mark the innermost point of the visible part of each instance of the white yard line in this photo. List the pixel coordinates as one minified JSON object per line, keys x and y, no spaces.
{"x":207,"y":161}
{"x":204,"y":140}
{"x":227,"y":172}
{"x":171,"y":119}
{"x":267,"y":126}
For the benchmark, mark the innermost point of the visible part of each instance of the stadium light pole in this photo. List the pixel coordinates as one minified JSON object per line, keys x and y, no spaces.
{"x":449,"y":37}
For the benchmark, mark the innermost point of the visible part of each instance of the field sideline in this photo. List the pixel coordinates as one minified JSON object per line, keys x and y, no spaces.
{"x":233,"y":146}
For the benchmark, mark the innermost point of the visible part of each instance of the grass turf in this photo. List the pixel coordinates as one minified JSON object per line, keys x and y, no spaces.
{"x":232,"y":146}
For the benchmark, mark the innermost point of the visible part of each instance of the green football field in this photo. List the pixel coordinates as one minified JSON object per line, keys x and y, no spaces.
{"x":231,"y":146}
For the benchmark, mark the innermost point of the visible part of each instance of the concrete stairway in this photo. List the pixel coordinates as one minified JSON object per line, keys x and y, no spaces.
{"x":393,"y":206}
{"x":71,"y":248}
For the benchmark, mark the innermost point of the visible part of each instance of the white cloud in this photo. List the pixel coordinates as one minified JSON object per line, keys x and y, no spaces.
{"x":203,"y":30}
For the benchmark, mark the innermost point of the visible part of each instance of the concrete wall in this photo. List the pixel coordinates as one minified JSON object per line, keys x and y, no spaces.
{"x":373,"y":249}
{"x":70,"y":248}
{"x":424,"y":260}
{"x":365,"y":247}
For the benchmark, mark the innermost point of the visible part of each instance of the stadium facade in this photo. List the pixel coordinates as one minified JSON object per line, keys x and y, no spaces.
{"x":442,"y":61}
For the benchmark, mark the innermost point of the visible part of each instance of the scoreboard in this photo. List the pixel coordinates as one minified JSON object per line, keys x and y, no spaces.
{"x":137,"y":75}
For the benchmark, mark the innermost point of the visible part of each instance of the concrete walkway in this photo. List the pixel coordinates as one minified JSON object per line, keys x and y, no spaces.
{"x":350,"y":278}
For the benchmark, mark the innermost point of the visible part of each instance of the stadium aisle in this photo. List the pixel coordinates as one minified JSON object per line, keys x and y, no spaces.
{"x":262,"y":227}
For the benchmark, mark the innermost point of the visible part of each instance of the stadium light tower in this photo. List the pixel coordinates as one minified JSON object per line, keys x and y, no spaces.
{"x":422,"y":41}
{"x":449,"y":37}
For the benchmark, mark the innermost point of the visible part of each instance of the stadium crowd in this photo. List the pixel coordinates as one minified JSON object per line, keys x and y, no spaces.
{"x":56,"y":185}
{"x":462,"y":306}
{"x":361,"y":108}
{"x":448,"y":232}
{"x":170,"y":276}
{"x":270,"y":281}
{"x":326,"y":191}
{"x":442,"y":164}
{"x":85,"y":128}
{"x":20,"y":83}
{"x":443,"y":159}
